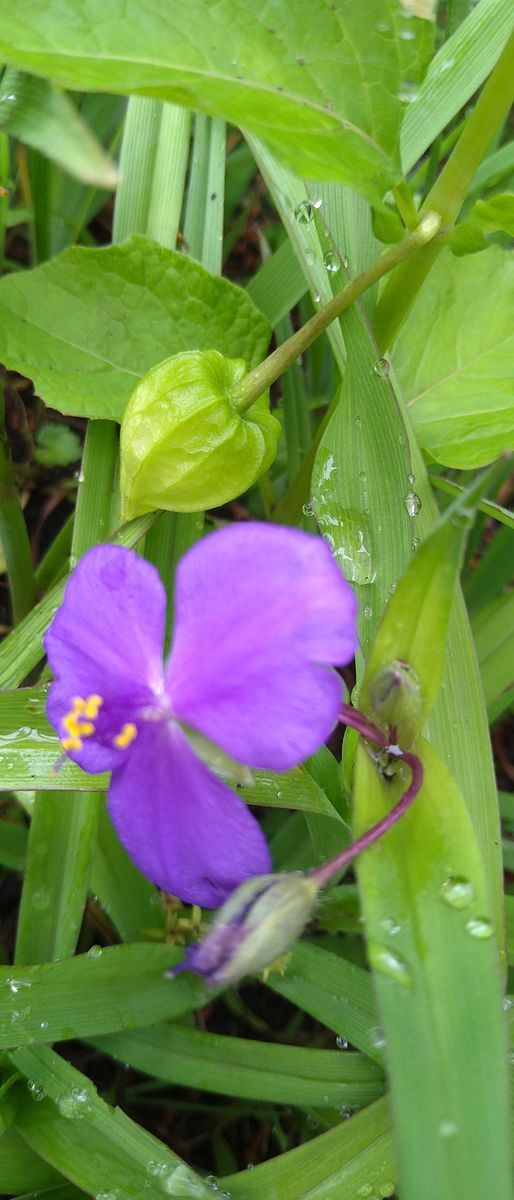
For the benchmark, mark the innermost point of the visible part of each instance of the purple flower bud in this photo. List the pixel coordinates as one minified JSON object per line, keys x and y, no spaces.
{"x":259,"y":922}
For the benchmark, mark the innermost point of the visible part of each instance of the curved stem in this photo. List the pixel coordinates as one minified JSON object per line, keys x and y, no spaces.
{"x":323,"y":874}
{"x":261,"y":378}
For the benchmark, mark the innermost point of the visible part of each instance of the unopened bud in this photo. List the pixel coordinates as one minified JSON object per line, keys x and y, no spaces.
{"x":396,"y":697}
{"x":259,"y":922}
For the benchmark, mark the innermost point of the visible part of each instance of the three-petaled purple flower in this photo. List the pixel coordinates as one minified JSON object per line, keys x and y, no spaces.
{"x":260,"y":614}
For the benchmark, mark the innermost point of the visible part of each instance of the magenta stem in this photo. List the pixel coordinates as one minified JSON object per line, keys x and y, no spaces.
{"x":353,"y":717}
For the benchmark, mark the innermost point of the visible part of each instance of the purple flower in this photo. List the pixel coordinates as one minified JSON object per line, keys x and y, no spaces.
{"x":260,"y":612}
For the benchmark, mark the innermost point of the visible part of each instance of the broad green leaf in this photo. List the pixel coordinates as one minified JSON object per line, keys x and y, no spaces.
{"x":252,"y":1070}
{"x":82,"y":996}
{"x":43,"y":117}
{"x":355,"y":1159}
{"x":431,"y":944}
{"x":89,"y":324}
{"x":325,"y":86}
{"x":94,"y":1145}
{"x":486,"y":216}
{"x":454,"y":359}
{"x":454,"y":75}
{"x":494,"y":636}
{"x":55,"y":885}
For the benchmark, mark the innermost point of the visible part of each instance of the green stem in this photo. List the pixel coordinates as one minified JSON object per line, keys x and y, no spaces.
{"x":448,"y":193}
{"x":261,"y":378}
{"x":14,"y":537}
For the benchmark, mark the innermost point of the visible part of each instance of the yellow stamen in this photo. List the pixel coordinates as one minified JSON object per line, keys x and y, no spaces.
{"x":74,"y":723}
{"x":126,"y":735}
{"x":71,"y":743}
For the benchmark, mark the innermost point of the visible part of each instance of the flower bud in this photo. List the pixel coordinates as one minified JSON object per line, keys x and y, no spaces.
{"x":396,"y":697}
{"x":260,"y":921}
{"x":184,"y":445}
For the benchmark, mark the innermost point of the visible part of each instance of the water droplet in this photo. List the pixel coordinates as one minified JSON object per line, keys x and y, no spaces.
{"x":408,"y":35}
{"x":307,"y":510}
{"x":41,"y":899}
{"x":365,"y":1190}
{"x":73,"y":560}
{"x":341,"y":1042}
{"x":408,"y":91}
{"x":358,"y":422}
{"x":36,"y":1091}
{"x":414,"y":544}
{"x":444,"y":67}
{"x":378,"y":1038}
{"x":331,"y":261}
{"x":480,"y":928}
{"x":382,"y":367}
{"x":386,"y":1189}
{"x":111,"y":1195}
{"x":16,"y":985}
{"x":411,"y":479}
{"x":317,"y":298}
{"x":212,"y":1182}
{"x":457,"y":891}
{"x":304,"y":211}
{"x":9,"y":97}
{"x":412,"y":504}
{"x":390,"y":925}
{"x":508,"y":1003}
{"x":95,"y":952}
{"x":75,"y":1104}
{"x":34,"y":704}
{"x":156,"y":1168}
{"x":43,"y":1025}
{"x":383,"y":960}
{"x":448,"y":1129}
{"x":383,"y":27}
{"x":367,"y":612}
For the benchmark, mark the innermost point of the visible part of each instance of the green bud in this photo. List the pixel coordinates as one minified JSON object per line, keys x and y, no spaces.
{"x":261,"y":921}
{"x":396,"y":696}
{"x":184,"y":445}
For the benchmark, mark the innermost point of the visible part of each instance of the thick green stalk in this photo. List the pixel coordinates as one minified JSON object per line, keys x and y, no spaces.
{"x":261,"y":378}
{"x":14,"y":537}
{"x":448,"y":194}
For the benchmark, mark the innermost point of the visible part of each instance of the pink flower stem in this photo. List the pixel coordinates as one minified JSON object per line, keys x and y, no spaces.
{"x":352,"y":717}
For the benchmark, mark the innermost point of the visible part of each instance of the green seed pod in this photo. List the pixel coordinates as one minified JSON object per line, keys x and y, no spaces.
{"x":184,"y":445}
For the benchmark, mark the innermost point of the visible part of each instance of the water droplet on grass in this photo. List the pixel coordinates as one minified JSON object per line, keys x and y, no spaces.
{"x":95,"y":952}
{"x":75,"y":1104}
{"x":341,"y":1042}
{"x":382,"y":367}
{"x":382,"y":959}
{"x":448,"y":1129}
{"x":304,"y":211}
{"x":408,"y":91}
{"x":412,"y":504}
{"x":457,"y":891}
{"x":480,"y":928}
{"x":331,"y":262}
{"x":36,"y":1091}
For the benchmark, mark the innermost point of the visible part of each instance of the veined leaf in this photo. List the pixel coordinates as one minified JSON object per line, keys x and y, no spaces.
{"x":454,"y":358}
{"x":324,"y":85}
{"x":89,"y":324}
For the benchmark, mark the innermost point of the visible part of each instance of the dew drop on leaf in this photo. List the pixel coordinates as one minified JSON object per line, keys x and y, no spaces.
{"x":381,"y":368}
{"x":457,"y":891}
{"x":480,"y":928}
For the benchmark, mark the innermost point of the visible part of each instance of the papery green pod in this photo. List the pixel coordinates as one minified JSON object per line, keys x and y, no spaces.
{"x":184,"y":445}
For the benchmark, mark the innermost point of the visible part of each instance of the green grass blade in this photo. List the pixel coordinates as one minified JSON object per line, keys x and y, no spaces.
{"x":430,"y":941}
{"x":249,"y":1069}
{"x":55,"y":886}
{"x":131,"y":902}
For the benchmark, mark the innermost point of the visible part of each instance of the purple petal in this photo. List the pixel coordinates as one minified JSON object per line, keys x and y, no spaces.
{"x":261,"y":613}
{"x":106,"y":640}
{"x":184,"y":828}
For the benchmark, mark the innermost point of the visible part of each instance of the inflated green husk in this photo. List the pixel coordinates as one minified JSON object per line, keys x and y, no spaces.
{"x":184,"y":446}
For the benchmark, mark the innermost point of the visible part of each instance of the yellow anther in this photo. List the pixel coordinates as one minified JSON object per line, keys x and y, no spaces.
{"x":71,"y":743}
{"x":74,"y":723}
{"x":126,"y":735}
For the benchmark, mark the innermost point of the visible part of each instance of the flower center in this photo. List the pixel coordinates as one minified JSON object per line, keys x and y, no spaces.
{"x":79,"y":723}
